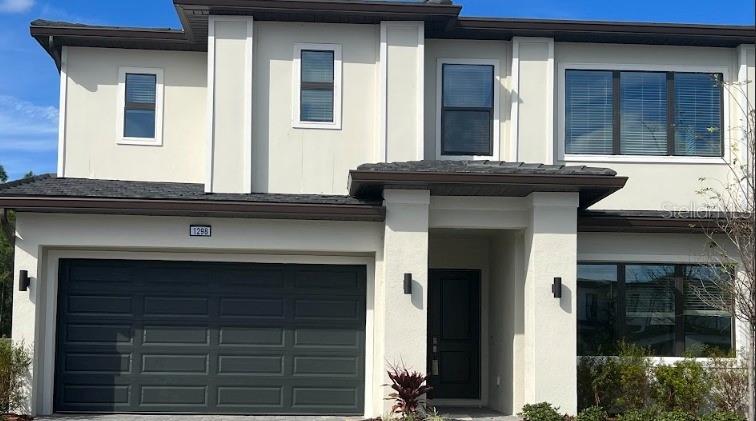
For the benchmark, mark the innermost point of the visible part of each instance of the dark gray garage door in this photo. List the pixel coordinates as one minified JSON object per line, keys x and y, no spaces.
{"x":193,"y":337}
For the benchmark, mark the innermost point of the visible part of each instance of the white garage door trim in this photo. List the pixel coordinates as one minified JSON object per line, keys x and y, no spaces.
{"x":44,"y":383}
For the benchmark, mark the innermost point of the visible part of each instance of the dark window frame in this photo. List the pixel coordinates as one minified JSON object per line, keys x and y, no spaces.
{"x":679,"y":287}
{"x":143,"y":106}
{"x":671,"y":113}
{"x":320,"y":86}
{"x":490,"y":110}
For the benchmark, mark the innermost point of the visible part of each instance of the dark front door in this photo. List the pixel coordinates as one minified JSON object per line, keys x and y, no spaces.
{"x":454,"y":334}
{"x":200,"y":337}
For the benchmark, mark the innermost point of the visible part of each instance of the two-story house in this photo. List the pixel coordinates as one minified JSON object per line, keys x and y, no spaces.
{"x":262,"y":212}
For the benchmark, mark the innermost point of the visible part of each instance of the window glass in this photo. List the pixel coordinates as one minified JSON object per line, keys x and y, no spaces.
{"x":597,"y":309}
{"x":139,"y":110}
{"x":317,"y":86}
{"x":707,"y":327}
{"x":643,"y":113}
{"x":650,"y":307}
{"x":698,"y":114}
{"x":467,"y":110}
{"x":588,"y":112}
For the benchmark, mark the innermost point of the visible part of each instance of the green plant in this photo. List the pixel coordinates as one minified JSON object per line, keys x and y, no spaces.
{"x":633,"y":369}
{"x":14,"y":367}
{"x":676,"y":415}
{"x":543,"y":411}
{"x":598,"y":383}
{"x":723,"y":416}
{"x":647,"y":414}
{"x":593,"y":413}
{"x":682,"y":386}
{"x":409,"y":389}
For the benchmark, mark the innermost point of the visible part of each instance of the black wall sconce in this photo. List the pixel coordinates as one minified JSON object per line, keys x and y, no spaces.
{"x":556,"y":287}
{"x":408,"y":283}
{"x":23,"y":280}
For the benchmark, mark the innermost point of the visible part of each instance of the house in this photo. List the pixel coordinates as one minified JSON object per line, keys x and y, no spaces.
{"x":263,"y":211}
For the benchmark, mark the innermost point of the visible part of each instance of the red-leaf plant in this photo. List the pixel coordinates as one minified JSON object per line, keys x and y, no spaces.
{"x":409,"y":388}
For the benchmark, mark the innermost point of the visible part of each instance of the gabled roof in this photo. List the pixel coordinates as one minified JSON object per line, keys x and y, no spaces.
{"x":484,"y":178}
{"x":441,"y":19}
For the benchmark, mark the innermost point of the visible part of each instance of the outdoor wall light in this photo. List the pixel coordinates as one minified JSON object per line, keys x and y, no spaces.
{"x":556,"y":287}
{"x":408,"y":283}
{"x":23,"y":280}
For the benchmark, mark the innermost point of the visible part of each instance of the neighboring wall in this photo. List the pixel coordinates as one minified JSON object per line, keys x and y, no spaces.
{"x":91,"y":106}
{"x":437,"y":50}
{"x":654,"y":182}
{"x":294,"y":160}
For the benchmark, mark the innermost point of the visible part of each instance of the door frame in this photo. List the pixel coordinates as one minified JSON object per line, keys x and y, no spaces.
{"x":482,"y":333}
{"x":43,"y":382}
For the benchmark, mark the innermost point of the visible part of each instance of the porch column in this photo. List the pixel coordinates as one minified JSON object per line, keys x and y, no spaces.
{"x":405,"y":250}
{"x":549,"y":341}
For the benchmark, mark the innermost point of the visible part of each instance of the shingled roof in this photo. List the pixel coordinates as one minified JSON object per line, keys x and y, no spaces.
{"x":485,"y":167}
{"x":48,"y":193}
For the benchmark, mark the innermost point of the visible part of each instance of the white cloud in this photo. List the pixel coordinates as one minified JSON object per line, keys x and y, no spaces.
{"x":15,"y":6}
{"x":25,"y":126}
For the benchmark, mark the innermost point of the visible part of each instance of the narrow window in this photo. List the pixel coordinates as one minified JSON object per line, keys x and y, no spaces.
{"x":140,"y":106}
{"x":698,"y":114}
{"x":317,"y":86}
{"x":589,"y":99}
{"x":707,"y":327}
{"x":467,"y":109}
{"x":597,"y":312}
{"x":650,"y":307}
{"x":643,"y":113}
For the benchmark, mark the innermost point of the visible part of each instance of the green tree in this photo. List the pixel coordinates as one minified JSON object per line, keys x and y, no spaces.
{"x":3,"y":175}
{"x":29,"y":174}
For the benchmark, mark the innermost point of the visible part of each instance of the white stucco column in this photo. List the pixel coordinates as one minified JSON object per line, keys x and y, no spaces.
{"x":550,"y":324}
{"x":405,"y":250}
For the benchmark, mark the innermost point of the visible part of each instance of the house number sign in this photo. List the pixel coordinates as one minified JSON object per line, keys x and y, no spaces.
{"x":200,"y":231}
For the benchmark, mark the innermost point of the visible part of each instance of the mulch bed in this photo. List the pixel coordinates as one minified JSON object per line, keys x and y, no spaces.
{"x":16,"y":417}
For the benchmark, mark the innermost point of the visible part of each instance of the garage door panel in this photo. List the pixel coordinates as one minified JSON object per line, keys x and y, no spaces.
{"x":201,"y":337}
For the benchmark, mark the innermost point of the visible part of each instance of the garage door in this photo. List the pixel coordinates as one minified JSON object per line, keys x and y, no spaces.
{"x":194,"y":337}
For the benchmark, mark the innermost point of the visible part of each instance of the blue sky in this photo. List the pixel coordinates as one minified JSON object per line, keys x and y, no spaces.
{"x":29,"y":80}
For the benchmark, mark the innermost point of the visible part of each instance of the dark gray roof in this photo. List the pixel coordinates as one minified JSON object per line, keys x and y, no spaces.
{"x":486,"y":167}
{"x":51,"y":186}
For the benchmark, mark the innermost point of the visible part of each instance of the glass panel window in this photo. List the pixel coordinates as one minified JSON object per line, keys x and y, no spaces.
{"x":673,"y":310}
{"x":588,"y":112}
{"x":707,"y":327}
{"x":317,"y":86}
{"x":643,"y":113}
{"x":612,"y":112}
{"x":139,"y":109}
{"x":698,"y":114}
{"x":467,"y":110}
{"x":597,"y":309}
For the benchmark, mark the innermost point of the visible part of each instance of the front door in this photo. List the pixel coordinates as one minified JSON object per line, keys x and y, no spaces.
{"x":454,"y":334}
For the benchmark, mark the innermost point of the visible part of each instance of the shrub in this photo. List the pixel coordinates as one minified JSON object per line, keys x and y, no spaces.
{"x":682,"y":386}
{"x":14,"y":366}
{"x":676,"y":415}
{"x":633,"y":369}
{"x":723,"y":416}
{"x":409,"y":388}
{"x":543,"y":411}
{"x":593,"y":413}
{"x":598,"y":383}
{"x":646,"y":414}
{"x":729,"y":384}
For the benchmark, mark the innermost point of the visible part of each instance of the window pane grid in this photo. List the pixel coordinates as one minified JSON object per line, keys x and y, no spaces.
{"x":643,"y":113}
{"x":316,"y":86}
{"x":657,"y":306}
{"x":467,"y":110}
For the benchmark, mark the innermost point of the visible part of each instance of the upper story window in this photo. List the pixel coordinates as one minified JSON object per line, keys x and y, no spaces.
{"x":467,"y":121}
{"x":643,"y":113}
{"x":317,"y":86}
{"x":140,"y":103}
{"x":658,"y":306}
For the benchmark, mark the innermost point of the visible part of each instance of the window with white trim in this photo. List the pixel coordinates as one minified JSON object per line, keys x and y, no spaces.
{"x":317,"y":86}
{"x":467,"y":109}
{"x":140,"y":106}
{"x":656,"y":113}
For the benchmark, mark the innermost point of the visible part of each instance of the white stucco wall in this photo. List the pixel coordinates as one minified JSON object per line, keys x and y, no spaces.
{"x":654,"y":182}
{"x":91,"y":142}
{"x":295,"y":160}
{"x":440,"y":49}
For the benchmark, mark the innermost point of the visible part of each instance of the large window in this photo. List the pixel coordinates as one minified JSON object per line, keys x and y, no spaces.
{"x":467,"y":109}
{"x":658,"y":306}
{"x":643,"y":113}
{"x":317,"y":78}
